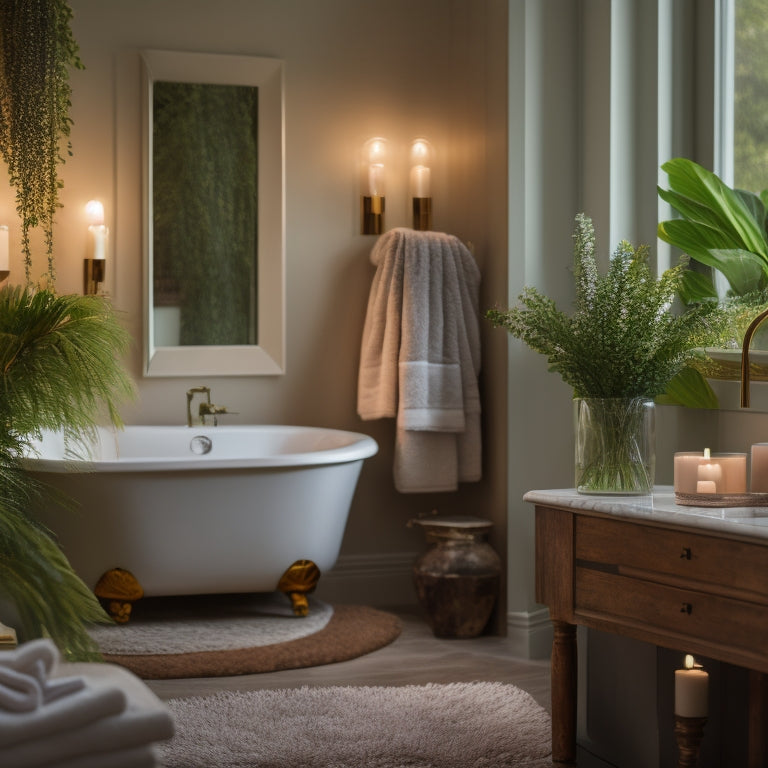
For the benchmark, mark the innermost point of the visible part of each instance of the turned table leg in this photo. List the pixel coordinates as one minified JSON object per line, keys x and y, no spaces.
{"x":758,"y":719}
{"x":563,"y":693}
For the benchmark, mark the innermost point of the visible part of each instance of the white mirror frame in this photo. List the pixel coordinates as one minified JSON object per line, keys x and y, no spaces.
{"x":268,"y":356}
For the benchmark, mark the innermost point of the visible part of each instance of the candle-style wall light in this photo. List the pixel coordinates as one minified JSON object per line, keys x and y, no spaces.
{"x":372,"y":178}
{"x":5,"y":268}
{"x":94,"y":266}
{"x":421,"y":184}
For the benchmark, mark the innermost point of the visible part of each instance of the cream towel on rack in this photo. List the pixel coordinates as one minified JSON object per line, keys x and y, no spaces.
{"x":420,"y":357}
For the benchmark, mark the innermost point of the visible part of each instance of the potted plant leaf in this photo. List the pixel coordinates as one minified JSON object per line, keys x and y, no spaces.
{"x":722,"y":229}
{"x":620,"y":348}
{"x":60,"y":356}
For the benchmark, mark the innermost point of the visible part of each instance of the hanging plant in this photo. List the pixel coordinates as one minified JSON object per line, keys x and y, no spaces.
{"x":60,"y":356}
{"x":37,"y":50}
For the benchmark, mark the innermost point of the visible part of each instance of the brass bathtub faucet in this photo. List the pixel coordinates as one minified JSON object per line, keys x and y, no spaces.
{"x":190,"y":395}
{"x":207,"y":408}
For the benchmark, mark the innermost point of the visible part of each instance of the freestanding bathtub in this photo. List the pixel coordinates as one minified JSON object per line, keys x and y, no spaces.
{"x":202,"y":510}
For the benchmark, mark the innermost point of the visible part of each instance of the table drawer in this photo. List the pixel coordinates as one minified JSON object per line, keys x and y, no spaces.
{"x":735,"y":565}
{"x":672,"y":611}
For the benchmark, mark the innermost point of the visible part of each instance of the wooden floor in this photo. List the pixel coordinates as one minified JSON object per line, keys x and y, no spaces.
{"x":415,"y":657}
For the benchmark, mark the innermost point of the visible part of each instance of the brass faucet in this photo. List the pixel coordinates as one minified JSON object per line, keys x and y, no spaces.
{"x":745,"y":357}
{"x":207,"y":408}
{"x":190,"y":395}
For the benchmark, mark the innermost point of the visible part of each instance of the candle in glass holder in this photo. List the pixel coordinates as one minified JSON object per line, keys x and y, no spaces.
{"x":706,"y":472}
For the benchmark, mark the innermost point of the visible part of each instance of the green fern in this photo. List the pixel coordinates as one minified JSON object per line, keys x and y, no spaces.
{"x":60,"y":369}
{"x":622,"y":339}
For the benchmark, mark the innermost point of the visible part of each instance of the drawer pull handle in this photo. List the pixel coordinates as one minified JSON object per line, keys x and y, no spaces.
{"x":687,"y":608}
{"x":686,"y":553}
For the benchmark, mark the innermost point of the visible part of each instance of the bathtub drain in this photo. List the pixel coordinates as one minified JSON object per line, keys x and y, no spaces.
{"x":200,"y":444}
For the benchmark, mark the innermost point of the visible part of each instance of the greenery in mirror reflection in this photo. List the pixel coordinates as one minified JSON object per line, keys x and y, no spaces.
{"x":205,"y":195}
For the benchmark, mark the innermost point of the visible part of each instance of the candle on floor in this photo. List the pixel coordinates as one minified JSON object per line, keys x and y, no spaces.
{"x":691,"y":689}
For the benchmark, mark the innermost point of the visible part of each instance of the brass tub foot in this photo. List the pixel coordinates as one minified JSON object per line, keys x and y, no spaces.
{"x":118,"y":590}
{"x":297,"y":582}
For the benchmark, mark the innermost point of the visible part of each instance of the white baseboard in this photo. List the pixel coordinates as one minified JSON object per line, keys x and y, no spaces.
{"x":530,"y":633}
{"x":375,"y":580}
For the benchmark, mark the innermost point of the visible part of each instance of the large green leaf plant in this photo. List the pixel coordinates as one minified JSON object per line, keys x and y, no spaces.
{"x":60,"y":356}
{"x":718,"y":227}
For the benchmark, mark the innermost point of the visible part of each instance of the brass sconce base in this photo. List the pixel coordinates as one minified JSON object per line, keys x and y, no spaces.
{"x":372,"y":215}
{"x":689,"y":732}
{"x":422,"y":213}
{"x":93,"y":274}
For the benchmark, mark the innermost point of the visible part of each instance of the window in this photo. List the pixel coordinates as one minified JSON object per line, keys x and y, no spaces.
{"x":750,"y":94}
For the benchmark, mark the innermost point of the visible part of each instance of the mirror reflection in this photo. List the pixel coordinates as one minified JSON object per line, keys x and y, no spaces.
{"x":205,"y":213}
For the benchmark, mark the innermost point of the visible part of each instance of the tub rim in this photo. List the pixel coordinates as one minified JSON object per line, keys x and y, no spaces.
{"x":359,"y":447}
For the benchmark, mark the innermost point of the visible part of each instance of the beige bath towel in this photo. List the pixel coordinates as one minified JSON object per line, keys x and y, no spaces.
{"x":420,"y":357}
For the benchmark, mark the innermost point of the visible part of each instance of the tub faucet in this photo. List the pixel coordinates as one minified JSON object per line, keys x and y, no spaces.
{"x":209,"y":409}
{"x":190,"y":395}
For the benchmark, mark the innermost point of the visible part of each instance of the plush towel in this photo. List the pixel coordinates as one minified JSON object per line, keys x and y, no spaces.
{"x":54,"y":714}
{"x":420,"y":357}
{"x":136,"y":757}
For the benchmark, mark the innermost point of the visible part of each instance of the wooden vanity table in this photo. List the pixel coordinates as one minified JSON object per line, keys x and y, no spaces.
{"x":692,"y":579}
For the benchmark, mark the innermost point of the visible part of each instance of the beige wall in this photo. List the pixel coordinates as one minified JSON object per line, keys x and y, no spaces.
{"x":353,"y":70}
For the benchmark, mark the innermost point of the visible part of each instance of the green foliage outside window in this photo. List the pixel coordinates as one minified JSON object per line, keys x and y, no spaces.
{"x":751,"y":95}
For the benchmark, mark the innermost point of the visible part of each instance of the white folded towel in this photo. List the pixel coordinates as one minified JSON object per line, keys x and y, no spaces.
{"x":420,"y":357}
{"x":85,"y":714}
{"x":135,"y":757}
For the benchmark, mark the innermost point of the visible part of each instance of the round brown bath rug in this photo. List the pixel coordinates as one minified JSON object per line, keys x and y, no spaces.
{"x":351,"y":631}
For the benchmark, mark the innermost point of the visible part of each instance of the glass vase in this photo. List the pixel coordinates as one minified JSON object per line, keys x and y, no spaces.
{"x":615,"y":445}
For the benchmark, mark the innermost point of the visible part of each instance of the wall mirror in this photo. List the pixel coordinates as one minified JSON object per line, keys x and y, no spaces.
{"x":214,"y":239}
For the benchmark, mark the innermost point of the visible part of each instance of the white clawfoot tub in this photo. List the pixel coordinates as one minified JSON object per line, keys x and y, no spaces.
{"x":203,"y":510}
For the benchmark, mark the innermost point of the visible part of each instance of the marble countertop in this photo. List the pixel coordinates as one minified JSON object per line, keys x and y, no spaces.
{"x":661,"y":507}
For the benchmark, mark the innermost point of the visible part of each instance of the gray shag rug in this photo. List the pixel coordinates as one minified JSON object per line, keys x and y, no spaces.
{"x":458,"y":725}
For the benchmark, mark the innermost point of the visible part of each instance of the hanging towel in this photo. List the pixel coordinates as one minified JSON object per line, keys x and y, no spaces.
{"x":420,"y":357}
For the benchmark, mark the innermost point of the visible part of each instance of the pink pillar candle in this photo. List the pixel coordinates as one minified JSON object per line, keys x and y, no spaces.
{"x":700,"y":472}
{"x":759,"y":476}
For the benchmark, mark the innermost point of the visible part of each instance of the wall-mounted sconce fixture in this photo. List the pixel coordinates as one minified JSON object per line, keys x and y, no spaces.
{"x":420,"y":184}
{"x":94,"y":266}
{"x":5,"y":268}
{"x":372,"y":186}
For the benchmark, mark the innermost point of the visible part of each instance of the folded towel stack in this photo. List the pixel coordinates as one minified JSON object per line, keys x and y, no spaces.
{"x":55,"y":715}
{"x":420,"y":357}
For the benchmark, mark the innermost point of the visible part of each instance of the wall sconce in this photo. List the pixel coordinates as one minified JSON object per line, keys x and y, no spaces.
{"x":94,"y":266}
{"x":5,"y":268}
{"x":420,"y":184}
{"x":372,"y":186}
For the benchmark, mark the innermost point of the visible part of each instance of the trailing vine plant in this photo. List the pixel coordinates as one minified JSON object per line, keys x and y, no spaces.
{"x":37,"y":50}
{"x":60,"y":356}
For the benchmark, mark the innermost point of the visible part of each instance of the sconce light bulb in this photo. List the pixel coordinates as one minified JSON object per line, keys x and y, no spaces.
{"x":376,"y":151}
{"x":94,"y":211}
{"x":689,"y":662}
